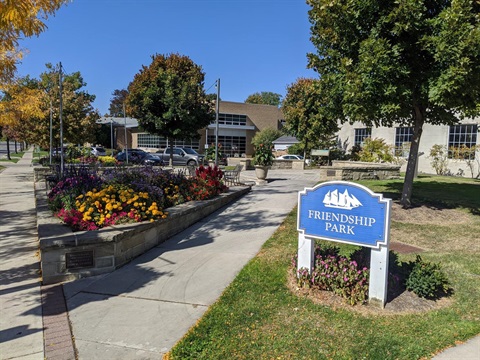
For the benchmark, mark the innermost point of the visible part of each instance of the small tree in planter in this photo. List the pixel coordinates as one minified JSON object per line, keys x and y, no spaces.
{"x":263,"y":159}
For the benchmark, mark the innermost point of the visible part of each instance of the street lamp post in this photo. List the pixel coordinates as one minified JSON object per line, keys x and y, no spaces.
{"x":111,"y":134}
{"x":217,"y":109}
{"x":126,"y":140}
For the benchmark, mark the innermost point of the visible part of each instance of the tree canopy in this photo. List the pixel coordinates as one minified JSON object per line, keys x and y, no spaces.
{"x":265,"y":98}
{"x":398,"y":62}
{"x":26,"y":104}
{"x":21,"y":101}
{"x":306,"y":116}
{"x":21,"y":18}
{"x":117,"y":102}
{"x":168,"y":98}
{"x":266,"y":137}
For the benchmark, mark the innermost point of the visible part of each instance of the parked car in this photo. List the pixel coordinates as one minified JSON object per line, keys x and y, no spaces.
{"x":293,"y":157}
{"x":58,"y":151}
{"x":181,"y":156}
{"x":138,"y":156}
{"x":98,"y":151}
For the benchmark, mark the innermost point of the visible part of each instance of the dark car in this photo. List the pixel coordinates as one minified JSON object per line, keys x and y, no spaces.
{"x":137,"y":156}
{"x":153,"y":160}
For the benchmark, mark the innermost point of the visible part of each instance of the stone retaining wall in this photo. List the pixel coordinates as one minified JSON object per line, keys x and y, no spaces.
{"x":357,"y":170}
{"x":67,"y":255}
{"x":277,"y":164}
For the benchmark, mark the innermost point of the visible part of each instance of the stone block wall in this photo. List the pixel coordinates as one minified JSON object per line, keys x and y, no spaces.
{"x":355,"y":170}
{"x":67,"y":255}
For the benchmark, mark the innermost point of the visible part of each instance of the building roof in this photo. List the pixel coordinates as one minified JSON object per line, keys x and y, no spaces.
{"x":286,"y":140}
{"x":118,"y":121}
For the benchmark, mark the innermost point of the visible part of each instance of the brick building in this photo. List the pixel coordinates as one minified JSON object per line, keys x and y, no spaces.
{"x":238,"y":123}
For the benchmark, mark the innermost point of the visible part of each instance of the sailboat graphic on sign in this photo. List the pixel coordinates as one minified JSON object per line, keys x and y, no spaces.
{"x":335,"y":199}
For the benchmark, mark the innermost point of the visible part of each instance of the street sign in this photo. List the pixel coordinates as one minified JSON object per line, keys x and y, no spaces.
{"x":317,"y":152}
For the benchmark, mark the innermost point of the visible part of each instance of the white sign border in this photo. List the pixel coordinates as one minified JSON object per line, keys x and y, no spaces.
{"x":381,"y":199}
{"x":379,"y":256}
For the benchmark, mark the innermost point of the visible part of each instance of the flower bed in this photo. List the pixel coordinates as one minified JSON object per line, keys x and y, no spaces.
{"x":89,"y":201}
{"x":67,"y":254}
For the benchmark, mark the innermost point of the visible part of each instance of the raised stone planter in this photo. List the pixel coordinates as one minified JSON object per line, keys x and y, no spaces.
{"x":67,"y":255}
{"x":357,"y":170}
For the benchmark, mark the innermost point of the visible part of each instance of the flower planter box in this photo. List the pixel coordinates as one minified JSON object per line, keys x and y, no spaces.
{"x":67,"y":255}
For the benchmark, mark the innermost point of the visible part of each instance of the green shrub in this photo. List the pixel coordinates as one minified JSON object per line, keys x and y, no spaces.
{"x":427,"y":280}
{"x":336,"y":273}
{"x":295,"y":149}
{"x":376,"y":150}
{"x":439,"y":156}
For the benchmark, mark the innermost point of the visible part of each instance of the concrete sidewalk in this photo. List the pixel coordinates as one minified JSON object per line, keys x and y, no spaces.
{"x":21,"y":327}
{"x":141,"y":310}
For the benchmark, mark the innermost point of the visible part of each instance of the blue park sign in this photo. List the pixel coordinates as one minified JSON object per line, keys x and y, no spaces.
{"x":344,"y":212}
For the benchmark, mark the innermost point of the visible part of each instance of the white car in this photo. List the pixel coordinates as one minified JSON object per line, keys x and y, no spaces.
{"x":293,"y":157}
{"x":290,"y":157}
{"x":98,"y":151}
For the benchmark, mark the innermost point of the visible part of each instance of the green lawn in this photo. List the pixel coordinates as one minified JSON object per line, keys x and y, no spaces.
{"x":14,"y":156}
{"x":258,"y":317}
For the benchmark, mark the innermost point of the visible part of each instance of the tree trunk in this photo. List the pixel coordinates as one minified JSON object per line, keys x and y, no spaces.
{"x":16,"y":151}
{"x":8,"y":149}
{"x":413,"y":157}
{"x":170,"y":144}
{"x":305,"y":152}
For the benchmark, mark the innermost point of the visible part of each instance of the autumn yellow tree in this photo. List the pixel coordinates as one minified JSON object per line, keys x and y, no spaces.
{"x":18,"y":104}
{"x":19,"y":19}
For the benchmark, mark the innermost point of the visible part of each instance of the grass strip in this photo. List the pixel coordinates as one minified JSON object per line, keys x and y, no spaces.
{"x":258,"y":317}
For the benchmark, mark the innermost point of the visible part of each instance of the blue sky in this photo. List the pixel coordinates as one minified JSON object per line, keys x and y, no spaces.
{"x":250,"y":45}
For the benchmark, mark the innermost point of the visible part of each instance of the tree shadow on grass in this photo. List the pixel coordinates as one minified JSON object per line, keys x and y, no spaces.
{"x":438,"y":194}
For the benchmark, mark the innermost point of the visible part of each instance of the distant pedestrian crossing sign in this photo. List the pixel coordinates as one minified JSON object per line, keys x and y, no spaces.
{"x":344,"y":212}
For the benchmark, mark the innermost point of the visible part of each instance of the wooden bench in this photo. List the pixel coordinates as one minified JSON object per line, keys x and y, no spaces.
{"x":232,"y":177}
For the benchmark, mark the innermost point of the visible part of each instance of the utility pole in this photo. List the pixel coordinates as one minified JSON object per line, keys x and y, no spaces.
{"x":61,"y":121}
{"x":217,"y":109}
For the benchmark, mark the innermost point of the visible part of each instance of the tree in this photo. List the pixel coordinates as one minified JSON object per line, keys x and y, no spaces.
{"x":264,"y":97}
{"x":168,"y":98}
{"x":307,"y":116}
{"x":18,"y":19}
{"x":78,"y":115}
{"x":117,"y":102}
{"x":406,"y":62}
{"x":20,"y":102}
{"x":266,"y":137}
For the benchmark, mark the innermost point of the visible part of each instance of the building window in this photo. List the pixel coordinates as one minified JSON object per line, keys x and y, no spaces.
{"x":232,"y":146}
{"x":403,"y":138}
{"x":232,"y":119}
{"x":146,"y":140}
{"x":361,"y":135}
{"x":461,"y":139}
